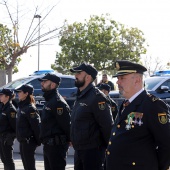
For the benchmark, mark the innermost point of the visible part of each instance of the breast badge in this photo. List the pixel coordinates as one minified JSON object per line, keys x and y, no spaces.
{"x":162,"y":117}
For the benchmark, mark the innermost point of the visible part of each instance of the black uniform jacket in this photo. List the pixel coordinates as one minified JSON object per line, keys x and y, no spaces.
{"x":7,"y":118}
{"x":91,"y":119}
{"x":55,"y":117}
{"x":140,"y":138}
{"x":113,"y":106}
{"x":28,"y":121}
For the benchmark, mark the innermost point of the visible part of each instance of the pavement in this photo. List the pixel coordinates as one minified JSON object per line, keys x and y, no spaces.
{"x":39,"y":162}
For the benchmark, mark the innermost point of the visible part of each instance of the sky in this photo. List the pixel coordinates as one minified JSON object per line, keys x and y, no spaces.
{"x":150,"y":16}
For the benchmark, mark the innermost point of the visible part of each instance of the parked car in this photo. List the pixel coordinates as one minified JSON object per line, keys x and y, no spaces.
{"x":158,"y":86}
{"x":39,"y":72}
{"x":161,"y":73}
{"x":67,"y":88}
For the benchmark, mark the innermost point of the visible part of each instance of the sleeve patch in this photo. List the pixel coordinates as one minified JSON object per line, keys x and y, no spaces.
{"x":102,"y":105}
{"x":33,"y":114}
{"x":60,"y":111}
{"x":163,"y":118}
{"x":12,"y":114}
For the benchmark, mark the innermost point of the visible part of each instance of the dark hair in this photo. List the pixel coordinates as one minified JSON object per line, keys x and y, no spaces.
{"x":105,"y":75}
{"x":31,"y":99}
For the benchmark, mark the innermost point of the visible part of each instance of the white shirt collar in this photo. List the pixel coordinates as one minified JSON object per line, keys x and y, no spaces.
{"x":135,"y":95}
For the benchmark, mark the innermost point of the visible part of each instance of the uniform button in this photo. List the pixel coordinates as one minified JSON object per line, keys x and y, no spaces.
{"x":118,"y":126}
{"x":132,"y":126}
{"x":110,"y":142}
{"x":133,"y":163}
{"x":114,"y":133}
{"x":108,"y":152}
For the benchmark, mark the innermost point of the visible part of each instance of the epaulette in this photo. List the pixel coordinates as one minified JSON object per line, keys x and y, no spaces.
{"x":152,"y":97}
{"x":97,"y":92}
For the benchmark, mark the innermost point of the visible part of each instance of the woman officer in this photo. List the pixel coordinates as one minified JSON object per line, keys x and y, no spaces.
{"x":7,"y":128}
{"x":28,"y":126}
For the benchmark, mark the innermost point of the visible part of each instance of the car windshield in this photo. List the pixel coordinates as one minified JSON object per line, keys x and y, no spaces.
{"x":16,"y":83}
{"x":150,"y":83}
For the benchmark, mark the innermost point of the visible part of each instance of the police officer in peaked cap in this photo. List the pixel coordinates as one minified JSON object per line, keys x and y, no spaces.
{"x":91,"y":121}
{"x":105,"y":88}
{"x":7,"y":128}
{"x":55,"y":124}
{"x":140,"y":138}
{"x":28,"y":126}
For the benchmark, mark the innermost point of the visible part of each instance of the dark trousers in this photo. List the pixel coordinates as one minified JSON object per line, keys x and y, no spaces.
{"x":6,"y":153}
{"x":27,"y":151}
{"x":89,"y":159}
{"x":55,"y":157}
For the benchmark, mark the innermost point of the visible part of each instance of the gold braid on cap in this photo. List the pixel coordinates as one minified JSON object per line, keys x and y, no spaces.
{"x":128,"y":71}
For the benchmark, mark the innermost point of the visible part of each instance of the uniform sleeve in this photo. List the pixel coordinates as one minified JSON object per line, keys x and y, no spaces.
{"x":62,"y":113}
{"x":34,"y":120}
{"x":103,"y":116}
{"x":12,"y":118}
{"x":159,"y":126}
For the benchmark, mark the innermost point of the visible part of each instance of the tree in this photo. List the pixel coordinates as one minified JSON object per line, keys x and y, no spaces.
{"x":99,"y":41}
{"x":11,"y":48}
{"x":148,"y":63}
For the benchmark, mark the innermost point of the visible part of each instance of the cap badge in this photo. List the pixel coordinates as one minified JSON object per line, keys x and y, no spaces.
{"x":117,"y":66}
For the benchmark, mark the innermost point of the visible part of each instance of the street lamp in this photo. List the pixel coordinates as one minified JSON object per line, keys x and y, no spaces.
{"x":38,"y":16}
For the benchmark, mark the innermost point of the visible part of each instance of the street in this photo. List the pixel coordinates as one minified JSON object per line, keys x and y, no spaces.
{"x":39,"y":162}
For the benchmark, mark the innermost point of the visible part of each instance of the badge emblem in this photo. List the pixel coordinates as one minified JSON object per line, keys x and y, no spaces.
{"x":117,"y":66}
{"x":102,"y":105}
{"x":12,"y":114}
{"x":60,"y":111}
{"x":32,"y":115}
{"x":162,"y":117}
{"x":113,"y":109}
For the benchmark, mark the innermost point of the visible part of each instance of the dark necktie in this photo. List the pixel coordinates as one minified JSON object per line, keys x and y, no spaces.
{"x":125,"y":104}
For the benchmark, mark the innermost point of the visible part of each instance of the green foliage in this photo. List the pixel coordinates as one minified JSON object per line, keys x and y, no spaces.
{"x":7,"y":48}
{"x":99,"y":41}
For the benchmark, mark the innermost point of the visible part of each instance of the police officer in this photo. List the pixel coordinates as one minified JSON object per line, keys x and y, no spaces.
{"x":7,"y":128}
{"x":28,"y":126}
{"x":105,"y":88}
{"x":91,"y":121}
{"x":55,"y":124}
{"x":140,"y":137}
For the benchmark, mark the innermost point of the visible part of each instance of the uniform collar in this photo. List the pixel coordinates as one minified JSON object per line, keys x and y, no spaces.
{"x":80,"y":94}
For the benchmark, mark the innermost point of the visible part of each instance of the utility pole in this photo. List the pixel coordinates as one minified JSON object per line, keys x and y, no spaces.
{"x":38,"y":16}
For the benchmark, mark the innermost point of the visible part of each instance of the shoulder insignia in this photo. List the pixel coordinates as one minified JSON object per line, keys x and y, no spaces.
{"x":152,"y":97}
{"x":102,"y":105}
{"x":97,"y":91}
{"x":13,"y":114}
{"x":163,"y":118}
{"x":33,"y":114}
{"x":60,"y":111}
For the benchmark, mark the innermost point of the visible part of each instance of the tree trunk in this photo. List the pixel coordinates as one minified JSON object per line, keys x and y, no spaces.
{"x":2,"y":77}
{"x":9,"y":73}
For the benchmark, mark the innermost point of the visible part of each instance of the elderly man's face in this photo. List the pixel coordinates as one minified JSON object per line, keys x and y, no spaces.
{"x":127,"y":84}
